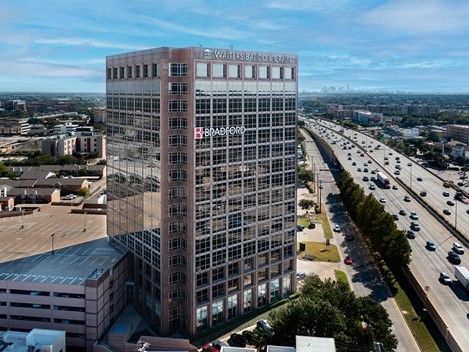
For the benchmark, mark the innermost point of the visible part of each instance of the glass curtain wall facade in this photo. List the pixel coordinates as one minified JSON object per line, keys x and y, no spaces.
{"x":201,"y":185}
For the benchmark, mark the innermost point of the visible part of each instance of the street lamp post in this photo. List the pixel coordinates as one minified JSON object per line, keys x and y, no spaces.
{"x":84,"y":222}
{"x":411,"y":177}
{"x":52,"y":239}
{"x":456,"y":214}
{"x":320,"y":191}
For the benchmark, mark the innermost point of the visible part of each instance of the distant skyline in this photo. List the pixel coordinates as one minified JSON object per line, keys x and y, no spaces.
{"x":418,"y":46}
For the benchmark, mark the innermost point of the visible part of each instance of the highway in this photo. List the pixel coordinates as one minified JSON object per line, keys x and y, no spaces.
{"x":451,"y":302}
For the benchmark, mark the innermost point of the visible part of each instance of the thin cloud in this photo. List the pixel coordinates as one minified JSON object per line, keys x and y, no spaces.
{"x":46,"y":69}
{"x":88,"y":42}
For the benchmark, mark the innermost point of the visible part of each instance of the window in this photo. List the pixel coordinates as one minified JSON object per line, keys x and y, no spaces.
{"x":276,"y":72}
{"x":177,"y":175}
{"x":263,"y":72}
{"x":218,"y":70}
{"x":177,"y":243}
{"x":202,"y":279}
{"x":122,"y":72}
{"x":202,"y":106}
{"x":146,"y":71}
{"x":138,"y":72}
{"x":177,"y":123}
{"x":217,"y":312}
{"x":202,"y":296}
{"x":129,"y":72}
{"x":177,"y":105}
{"x":234,"y":71}
{"x":249,"y":71}
{"x":177,"y":209}
{"x":156,"y":70}
{"x":178,"y":192}
{"x":178,"y":140}
{"x":177,"y":70}
{"x":202,"y":69}
{"x":114,"y":73}
{"x":177,"y":227}
{"x":177,"y":278}
{"x":177,"y":260}
{"x":218,"y":274}
{"x":289,"y":73}
{"x":178,"y":88}
{"x":247,"y":300}
{"x":232,"y":306}
{"x":109,"y":74}
{"x":177,"y":158}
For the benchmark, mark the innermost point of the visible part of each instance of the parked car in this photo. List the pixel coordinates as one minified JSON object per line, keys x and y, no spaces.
{"x":431,"y":246}
{"x":444,"y":278}
{"x":263,"y":325}
{"x":336,"y":228}
{"x":299,"y":228}
{"x":249,"y":336}
{"x":218,"y":344}
{"x":348,"y":260}
{"x":238,"y":340}
{"x":300,"y":275}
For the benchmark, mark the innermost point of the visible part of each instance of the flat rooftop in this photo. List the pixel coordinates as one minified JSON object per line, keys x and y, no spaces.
{"x":80,"y":246}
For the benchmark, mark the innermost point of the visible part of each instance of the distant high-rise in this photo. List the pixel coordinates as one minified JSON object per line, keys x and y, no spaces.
{"x":201,"y":187}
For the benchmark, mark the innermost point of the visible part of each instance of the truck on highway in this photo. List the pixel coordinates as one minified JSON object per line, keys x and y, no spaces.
{"x":383,"y":179}
{"x":462,"y":274}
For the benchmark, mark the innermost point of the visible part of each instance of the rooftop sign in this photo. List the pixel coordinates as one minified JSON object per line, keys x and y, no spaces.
{"x":247,"y":56}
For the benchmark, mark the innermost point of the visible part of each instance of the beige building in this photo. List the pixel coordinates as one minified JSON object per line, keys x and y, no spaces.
{"x":458,"y":132}
{"x":75,"y":145}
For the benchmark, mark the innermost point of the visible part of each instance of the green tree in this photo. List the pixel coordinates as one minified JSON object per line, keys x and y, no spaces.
{"x":83,"y":192}
{"x":304,"y":175}
{"x":306,"y":204}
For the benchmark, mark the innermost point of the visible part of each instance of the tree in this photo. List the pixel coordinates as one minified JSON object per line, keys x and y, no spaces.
{"x":305,"y":204}
{"x":304,"y":175}
{"x":83,"y":192}
{"x":329,"y":309}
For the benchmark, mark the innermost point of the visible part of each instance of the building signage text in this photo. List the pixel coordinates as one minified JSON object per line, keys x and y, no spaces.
{"x":201,"y":132}
{"x":248,"y":56}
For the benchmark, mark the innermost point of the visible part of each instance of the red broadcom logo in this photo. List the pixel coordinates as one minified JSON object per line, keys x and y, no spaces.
{"x":198,"y":132}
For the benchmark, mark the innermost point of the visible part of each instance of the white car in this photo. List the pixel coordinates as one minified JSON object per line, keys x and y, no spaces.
{"x":414,"y":216}
{"x":336,"y":228}
{"x":458,"y":248}
{"x":382,"y":200}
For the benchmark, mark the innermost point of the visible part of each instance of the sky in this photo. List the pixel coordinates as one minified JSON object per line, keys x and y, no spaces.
{"x":419,"y":46}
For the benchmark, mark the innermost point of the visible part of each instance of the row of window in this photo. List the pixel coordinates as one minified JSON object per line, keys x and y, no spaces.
{"x":246,"y":71}
{"x":204,"y":70}
{"x":232,"y":105}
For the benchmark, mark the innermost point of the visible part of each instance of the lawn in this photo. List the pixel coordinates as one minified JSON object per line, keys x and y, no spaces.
{"x":341,"y":277}
{"x":319,"y":251}
{"x":317,"y":218}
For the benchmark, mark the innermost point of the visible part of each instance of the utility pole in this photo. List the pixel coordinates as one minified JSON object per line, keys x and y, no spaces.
{"x":320,"y":196}
{"x":52,"y":239}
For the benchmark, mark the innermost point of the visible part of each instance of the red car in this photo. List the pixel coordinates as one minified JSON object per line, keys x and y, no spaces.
{"x":348,"y":260}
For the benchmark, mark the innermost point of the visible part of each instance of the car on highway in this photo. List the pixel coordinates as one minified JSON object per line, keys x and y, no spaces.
{"x":397,"y":172}
{"x":409,"y":164}
{"x":444,"y":278}
{"x":419,"y":179}
{"x":365,"y":178}
{"x":394,"y":187}
{"x":386,"y":158}
{"x":348,"y":260}
{"x":413,"y":215}
{"x":458,"y":248}
{"x":410,"y":234}
{"x":382,"y":200}
{"x":359,"y":170}
{"x":467,"y":211}
{"x":336,"y":228}
{"x":446,"y":211}
{"x":372,"y":187}
{"x":431,"y":246}
{"x":445,"y":194}
{"x":349,"y":158}
{"x":450,"y":202}
{"x":407,"y":199}
{"x":423,"y":194}
{"x":415,"y":226}
{"x":365,"y":169}
{"x":373,"y":172}
{"x":402,"y":212}
{"x":454,"y":258}
{"x":395,"y":217}
{"x":386,"y":163}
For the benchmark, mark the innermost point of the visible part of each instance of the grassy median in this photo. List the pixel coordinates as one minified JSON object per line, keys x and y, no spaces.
{"x":320,"y":251}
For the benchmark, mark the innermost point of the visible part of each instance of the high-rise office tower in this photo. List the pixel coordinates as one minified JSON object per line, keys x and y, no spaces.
{"x":201,"y":181}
